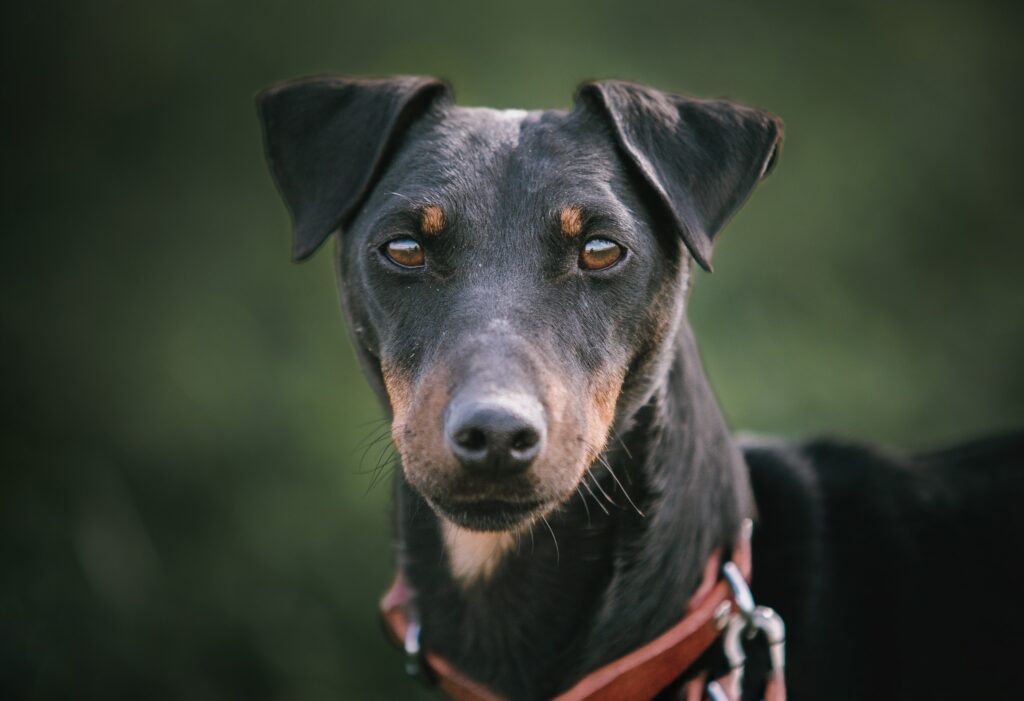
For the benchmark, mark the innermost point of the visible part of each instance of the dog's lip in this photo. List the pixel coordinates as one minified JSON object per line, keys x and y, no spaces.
{"x":489,"y":514}
{"x":490,"y":505}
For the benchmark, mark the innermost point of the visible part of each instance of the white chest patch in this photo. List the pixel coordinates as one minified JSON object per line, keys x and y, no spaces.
{"x":473,"y":555}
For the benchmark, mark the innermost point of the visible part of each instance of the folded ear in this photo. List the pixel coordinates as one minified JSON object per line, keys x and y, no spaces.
{"x":327,"y":139}
{"x":701,"y":157}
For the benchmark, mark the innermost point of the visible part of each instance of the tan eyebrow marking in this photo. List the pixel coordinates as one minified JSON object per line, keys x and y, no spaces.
{"x":431,"y":220}
{"x":571,"y":221}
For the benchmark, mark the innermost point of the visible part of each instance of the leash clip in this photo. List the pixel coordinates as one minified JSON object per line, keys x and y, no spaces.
{"x":749,"y":620}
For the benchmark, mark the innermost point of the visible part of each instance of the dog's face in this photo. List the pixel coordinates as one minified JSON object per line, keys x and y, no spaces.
{"x":504,"y":274}
{"x":511,"y":278}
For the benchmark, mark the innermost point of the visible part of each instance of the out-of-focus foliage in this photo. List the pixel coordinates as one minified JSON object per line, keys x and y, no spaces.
{"x":185,"y":509}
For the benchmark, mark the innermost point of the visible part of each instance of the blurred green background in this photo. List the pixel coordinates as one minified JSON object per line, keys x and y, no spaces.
{"x":185,"y":510}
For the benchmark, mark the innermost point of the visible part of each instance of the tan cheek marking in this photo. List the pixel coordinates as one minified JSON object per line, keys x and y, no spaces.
{"x":578,"y":429}
{"x":571,"y":221}
{"x":399,"y":392}
{"x":473,"y":555}
{"x":601,"y":412}
{"x":432,"y":220}
{"x":416,"y":428}
{"x":606,"y":396}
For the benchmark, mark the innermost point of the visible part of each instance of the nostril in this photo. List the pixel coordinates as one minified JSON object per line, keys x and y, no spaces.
{"x":524,"y":440}
{"x":471,"y":439}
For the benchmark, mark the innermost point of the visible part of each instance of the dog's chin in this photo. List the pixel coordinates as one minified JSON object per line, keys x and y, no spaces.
{"x":489,"y":514}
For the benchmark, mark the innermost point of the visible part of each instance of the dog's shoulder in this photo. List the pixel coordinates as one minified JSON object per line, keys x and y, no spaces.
{"x":881,"y":558}
{"x":858,"y":508}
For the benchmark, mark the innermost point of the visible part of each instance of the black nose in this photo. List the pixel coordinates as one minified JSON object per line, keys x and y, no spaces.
{"x":495,"y":437}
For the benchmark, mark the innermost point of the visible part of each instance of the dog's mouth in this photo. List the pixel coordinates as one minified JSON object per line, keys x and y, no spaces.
{"x":489,"y":514}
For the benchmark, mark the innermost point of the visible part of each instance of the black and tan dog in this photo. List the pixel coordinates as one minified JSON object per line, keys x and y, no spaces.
{"x":515,"y":283}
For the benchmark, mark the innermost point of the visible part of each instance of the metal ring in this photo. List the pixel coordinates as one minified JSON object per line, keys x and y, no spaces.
{"x":774,"y":629}
{"x":769,"y":623}
{"x":732,"y":645}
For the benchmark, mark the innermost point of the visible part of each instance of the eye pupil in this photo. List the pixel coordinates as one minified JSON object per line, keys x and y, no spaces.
{"x":404,"y":252}
{"x":598,"y":254}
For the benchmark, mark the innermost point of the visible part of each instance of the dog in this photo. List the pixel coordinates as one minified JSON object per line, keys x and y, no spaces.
{"x":515,"y":284}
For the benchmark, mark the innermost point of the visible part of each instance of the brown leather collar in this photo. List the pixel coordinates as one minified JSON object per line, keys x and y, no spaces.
{"x":637,"y":676}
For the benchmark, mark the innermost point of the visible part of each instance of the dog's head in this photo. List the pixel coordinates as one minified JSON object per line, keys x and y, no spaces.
{"x":512,"y":279}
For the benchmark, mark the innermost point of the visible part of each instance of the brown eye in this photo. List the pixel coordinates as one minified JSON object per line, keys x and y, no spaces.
{"x":598,"y":254}
{"x":407,"y":253}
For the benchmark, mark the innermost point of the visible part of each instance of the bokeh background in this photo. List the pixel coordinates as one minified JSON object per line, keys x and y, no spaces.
{"x":186,"y":509}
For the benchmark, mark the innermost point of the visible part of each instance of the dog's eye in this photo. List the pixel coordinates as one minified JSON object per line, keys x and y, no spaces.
{"x":407,"y":253}
{"x":598,"y":254}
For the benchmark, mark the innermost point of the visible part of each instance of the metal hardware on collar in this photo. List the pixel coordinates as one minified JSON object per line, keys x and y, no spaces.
{"x":735,"y":655}
{"x":414,"y":663}
{"x":733,"y":647}
{"x":740,"y":590}
{"x":723,"y":615}
{"x":715,"y":692}
{"x":749,"y":620}
{"x":774,"y":629}
{"x":640,"y":674}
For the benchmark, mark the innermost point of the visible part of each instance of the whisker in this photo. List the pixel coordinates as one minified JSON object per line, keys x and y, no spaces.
{"x":384,"y":462}
{"x":384,"y":456}
{"x":628,"y":498}
{"x":363,"y":459}
{"x":601,"y":489}
{"x":371,"y":422}
{"x":607,"y":465}
{"x":386,"y":469}
{"x":596,"y":500}
{"x":374,"y":437}
{"x":558,"y":554}
{"x":586,"y":507}
{"x":621,"y":442}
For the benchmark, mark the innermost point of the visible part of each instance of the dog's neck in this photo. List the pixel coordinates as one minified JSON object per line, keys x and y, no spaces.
{"x":602,"y":575}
